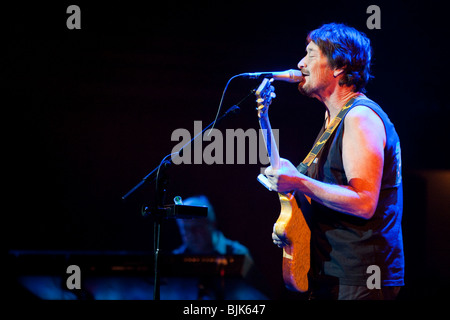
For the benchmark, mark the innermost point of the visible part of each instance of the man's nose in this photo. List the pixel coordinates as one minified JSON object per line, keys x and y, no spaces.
{"x":301,"y":64}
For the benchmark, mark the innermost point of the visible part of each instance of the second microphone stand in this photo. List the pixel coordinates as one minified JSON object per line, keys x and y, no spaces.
{"x":159,"y":210}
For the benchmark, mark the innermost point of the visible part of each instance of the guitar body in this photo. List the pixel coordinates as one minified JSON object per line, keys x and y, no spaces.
{"x":291,"y":224}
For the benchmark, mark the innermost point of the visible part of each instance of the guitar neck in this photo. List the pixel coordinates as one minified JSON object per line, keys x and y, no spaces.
{"x":270,"y":141}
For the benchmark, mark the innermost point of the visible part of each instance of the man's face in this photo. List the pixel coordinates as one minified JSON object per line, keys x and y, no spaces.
{"x":316,"y":71}
{"x":197,"y":235}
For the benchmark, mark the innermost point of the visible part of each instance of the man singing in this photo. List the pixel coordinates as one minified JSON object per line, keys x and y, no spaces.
{"x":355,"y":181}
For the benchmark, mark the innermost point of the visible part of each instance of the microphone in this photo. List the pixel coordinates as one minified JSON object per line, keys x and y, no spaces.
{"x":291,"y":75}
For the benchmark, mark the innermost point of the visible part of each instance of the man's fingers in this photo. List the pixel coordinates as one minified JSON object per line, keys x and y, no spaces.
{"x":277,"y":241}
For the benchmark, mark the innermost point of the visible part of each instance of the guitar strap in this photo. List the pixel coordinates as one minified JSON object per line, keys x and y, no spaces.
{"x":303,"y":167}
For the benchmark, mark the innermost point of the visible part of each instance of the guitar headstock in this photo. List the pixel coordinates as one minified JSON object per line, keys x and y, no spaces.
{"x":264,"y":95}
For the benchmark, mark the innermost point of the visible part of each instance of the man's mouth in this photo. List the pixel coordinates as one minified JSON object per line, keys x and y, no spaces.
{"x":304,"y":77}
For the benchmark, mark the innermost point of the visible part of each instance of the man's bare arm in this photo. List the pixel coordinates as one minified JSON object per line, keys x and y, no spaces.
{"x":363,"y":157}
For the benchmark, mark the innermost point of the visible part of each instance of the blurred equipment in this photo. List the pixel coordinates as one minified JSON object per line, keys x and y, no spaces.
{"x":110,"y":275}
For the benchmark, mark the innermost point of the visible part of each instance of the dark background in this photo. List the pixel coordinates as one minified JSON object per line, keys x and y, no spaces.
{"x":90,"y":112}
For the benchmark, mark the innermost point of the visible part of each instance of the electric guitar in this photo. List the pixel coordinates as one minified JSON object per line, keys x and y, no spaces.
{"x":291,"y":223}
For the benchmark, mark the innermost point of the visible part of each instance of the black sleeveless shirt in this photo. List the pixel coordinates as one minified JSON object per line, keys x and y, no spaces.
{"x":344,"y":246}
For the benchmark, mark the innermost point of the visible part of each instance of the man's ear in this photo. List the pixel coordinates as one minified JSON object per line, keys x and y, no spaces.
{"x":338,"y":71}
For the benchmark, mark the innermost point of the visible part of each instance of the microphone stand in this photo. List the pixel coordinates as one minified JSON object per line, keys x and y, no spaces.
{"x":159,"y":210}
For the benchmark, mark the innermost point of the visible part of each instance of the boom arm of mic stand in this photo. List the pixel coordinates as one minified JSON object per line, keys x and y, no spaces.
{"x":140,"y":184}
{"x":152,"y":175}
